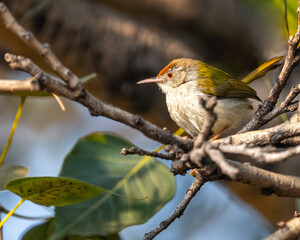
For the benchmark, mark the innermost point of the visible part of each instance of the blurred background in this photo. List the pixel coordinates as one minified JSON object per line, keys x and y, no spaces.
{"x":127,"y":41}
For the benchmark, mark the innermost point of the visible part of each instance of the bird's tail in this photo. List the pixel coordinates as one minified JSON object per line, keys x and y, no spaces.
{"x":262,"y":70}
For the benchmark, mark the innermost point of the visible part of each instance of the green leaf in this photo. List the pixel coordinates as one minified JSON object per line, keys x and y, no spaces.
{"x":96,"y":159}
{"x":44,"y":230}
{"x":39,"y":232}
{"x":53,"y":191}
{"x":11,"y":172}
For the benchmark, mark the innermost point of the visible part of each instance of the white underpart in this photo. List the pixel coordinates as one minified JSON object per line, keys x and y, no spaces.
{"x":185,"y":109}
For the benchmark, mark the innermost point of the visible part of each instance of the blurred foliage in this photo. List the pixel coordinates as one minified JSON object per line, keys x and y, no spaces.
{"x":287,"y":9}
{"x":44,"y":231}
{"x":11,"y":172}
{"x":147,"y":184}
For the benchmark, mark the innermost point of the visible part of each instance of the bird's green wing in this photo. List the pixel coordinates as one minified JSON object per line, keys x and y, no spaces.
{"x":239,"y":89}
{"x":214,"y":81}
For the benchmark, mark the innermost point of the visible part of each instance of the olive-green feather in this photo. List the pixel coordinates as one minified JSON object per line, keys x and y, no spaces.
{"x":216,"y":82}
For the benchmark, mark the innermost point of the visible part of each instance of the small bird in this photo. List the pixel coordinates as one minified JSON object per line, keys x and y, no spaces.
{"x":184,"y":81}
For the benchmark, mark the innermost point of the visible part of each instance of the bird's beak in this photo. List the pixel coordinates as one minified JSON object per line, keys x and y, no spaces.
{"x":151,"y":80}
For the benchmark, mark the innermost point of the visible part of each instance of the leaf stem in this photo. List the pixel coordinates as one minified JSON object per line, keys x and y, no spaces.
{"x":24,"y":217}
{"x":12,"y":131}
{"x":11,"y":212}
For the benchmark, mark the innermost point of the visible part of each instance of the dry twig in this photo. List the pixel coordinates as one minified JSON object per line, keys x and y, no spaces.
{"x":264,"y":137}
{"x":260,"y":154}
{"x":142,"y":152}
{"x":269,"y":182}
{"x":43,"y":49}
{"x":190,"y":193}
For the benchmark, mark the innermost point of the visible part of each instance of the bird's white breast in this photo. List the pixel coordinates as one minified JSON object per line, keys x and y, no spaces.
{"x":185,"y":109}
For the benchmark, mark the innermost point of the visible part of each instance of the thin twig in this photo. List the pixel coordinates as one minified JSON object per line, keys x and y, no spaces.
{"x":43,"y":49}
{"x":286,"y":106}
{"x":289,"y":142}
{"x":280,"y":110}
{"x":142,"y":152}
{"x":291,"y":61}
{"x":209,"y":121}
{"x":190,"y":193}
{"x":59,"y":101}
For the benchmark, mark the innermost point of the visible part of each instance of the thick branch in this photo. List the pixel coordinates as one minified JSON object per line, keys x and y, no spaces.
{"x":260,"y":154}
{"x":281,"y":185}
{"x":290,"y":231}
{"x":16,"y":86}
{"x":95,"y":106}
{"x":264,"y":137}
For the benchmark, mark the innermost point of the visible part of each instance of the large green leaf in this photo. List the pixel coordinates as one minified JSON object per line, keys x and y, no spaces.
{"x":44,"y":230}
{"x":39,"y":232}
{"x":53,"y":191}
{"x":11,"y":172}
{"x":96,"y":159}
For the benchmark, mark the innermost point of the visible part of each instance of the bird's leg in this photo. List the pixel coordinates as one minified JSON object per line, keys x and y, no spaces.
{"x":219,"y":134}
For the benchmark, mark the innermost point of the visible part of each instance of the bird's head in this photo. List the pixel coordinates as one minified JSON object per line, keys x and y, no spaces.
{"x":176,"y":73}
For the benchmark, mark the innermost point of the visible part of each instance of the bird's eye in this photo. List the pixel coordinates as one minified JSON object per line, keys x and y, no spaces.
{"x":170,"y":75}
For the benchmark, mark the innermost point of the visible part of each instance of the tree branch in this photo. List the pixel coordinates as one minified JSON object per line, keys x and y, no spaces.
{"x":19,"y":86}
{"x":290,"y":231}
{"x":218,"y":158}
{"x":95,"y":106}
{"x":264,"y":137}
{"x":209,"y":121}
{"x":281,"y":185}
{"x":286,"y":106}
{"x":43,"y":49}
{"x":190,"y":193}
{"x":261,"y":154}
{"x":291,"y":61}
{"x":141,"y":152}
